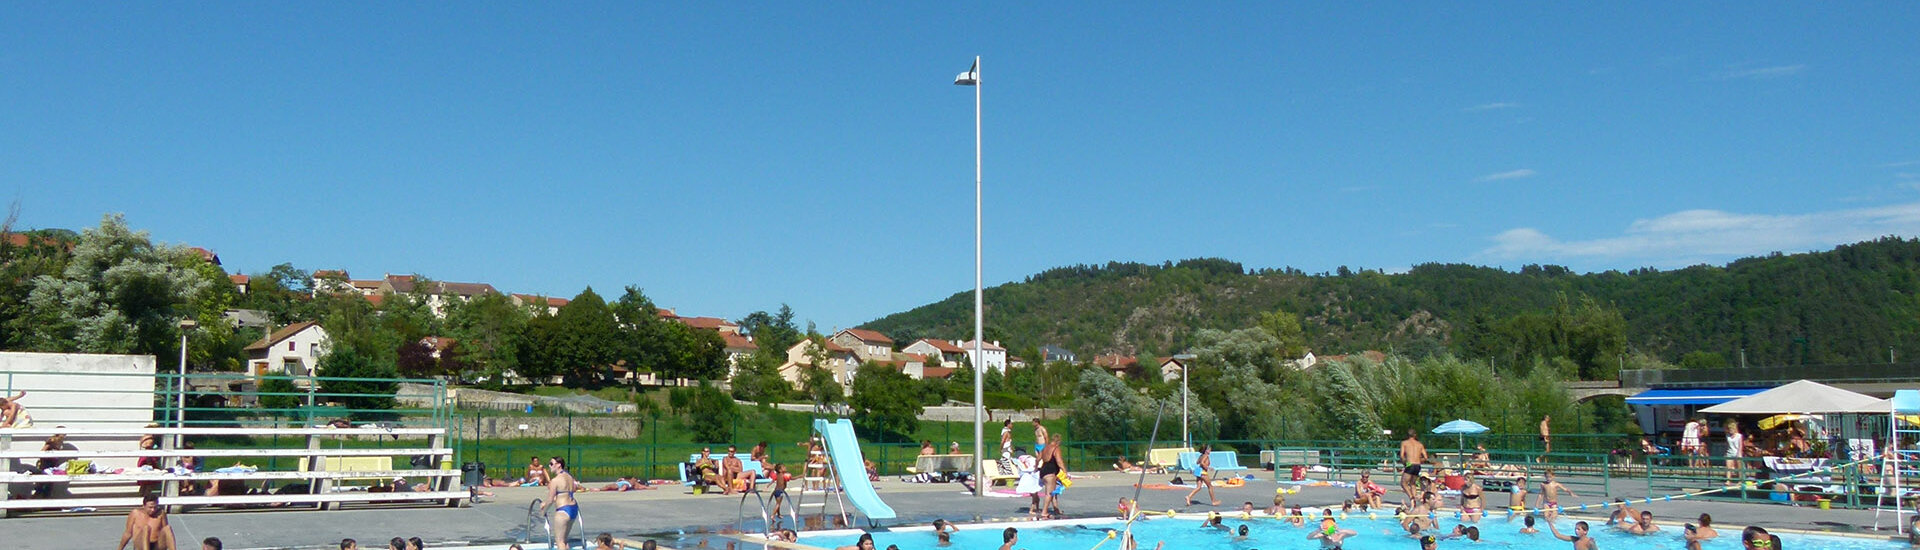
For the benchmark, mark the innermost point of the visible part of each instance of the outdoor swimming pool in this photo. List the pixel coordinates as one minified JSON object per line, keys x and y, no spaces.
{"x":1382,"y":534}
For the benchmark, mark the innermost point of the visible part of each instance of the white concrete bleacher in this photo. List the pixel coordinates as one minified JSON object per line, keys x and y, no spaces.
{"x":322,"y":482}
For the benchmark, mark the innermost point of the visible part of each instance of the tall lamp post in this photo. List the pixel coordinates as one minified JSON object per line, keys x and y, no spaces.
{"x":180,"y":399}
{"x":1186,"y":440}
{"x":972,"y":78}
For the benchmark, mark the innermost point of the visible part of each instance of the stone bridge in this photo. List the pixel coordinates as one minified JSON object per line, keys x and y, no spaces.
{"x":1583,"y":390}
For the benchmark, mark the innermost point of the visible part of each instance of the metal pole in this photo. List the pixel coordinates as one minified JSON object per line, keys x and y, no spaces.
{"x":180,"y":401}
{"x":1186,"y":440}
{"x":979,"y":357}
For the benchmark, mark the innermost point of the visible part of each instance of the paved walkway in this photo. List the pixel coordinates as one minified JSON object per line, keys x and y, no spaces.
{"x":679,"y":518}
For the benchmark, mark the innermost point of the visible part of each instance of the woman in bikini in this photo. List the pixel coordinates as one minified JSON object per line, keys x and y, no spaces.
{"x":1472,"y":505}
{"x":1201,"y":469}
{"x":566,"y":510}
{"x":536,"y":474}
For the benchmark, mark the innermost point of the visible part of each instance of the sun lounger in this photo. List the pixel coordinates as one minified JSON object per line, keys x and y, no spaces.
{"x":1166,"y":458}
{"x":759,"y":473}
{"x":995,"y":476}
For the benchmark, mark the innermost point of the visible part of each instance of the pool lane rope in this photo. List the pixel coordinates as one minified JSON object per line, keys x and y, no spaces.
{"x":1563,"y":509}
{"x":1650,"y":500}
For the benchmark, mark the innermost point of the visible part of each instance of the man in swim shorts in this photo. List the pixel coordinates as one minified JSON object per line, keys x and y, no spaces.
{"x":147,"y":527}
{"x":1413,"y":453}
{"x":1519,"y":501}
{"x":1550,"y":495}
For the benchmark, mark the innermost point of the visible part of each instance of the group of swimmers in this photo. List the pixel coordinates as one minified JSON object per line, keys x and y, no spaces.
{"x":942,"y":531}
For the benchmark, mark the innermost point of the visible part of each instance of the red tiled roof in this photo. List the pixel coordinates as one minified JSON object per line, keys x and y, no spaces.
{"x":868,"y":336}
{"x":279,"y":336}
{"x":736,"y":341}
{"x":910,"y":357}
{"x":989,"y":346}
{"x":22,"y":239}
{"x":709,"y":323}
{"x":1115,"y":361}
{"x":376,"y":299}
{"x":438,"y":343}
{"x":558,"y":302}
{"x":667,"y":314}
{"x":364,"y":284}
{"x":936,"y":372}
{"x":942,"y":345}
{"x":239,"y":279}
{"x":207,"y":255}
{"x":330,"y":274}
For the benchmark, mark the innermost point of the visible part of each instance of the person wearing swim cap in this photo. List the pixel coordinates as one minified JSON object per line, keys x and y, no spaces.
{"x":1330,"y":534}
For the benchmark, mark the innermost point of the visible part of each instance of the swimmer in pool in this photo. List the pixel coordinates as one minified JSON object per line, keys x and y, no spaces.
{"x":1579,"y":537}
{"x":1697,"y":534}
{"x":1330,"y":534}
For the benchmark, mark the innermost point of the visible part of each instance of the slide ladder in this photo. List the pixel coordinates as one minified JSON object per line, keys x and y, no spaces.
{"x":843,"y":454}
{"x":1902,"y":463}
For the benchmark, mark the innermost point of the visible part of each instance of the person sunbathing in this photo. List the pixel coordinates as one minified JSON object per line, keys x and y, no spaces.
{"x":1482,"y":460}
{"x":1127,"y":466}
{"x":12,"y":415}
{"x":625,"y":484}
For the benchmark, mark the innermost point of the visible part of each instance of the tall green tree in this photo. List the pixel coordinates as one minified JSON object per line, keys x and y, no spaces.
{"x":119,"y":293}
{"x":363,"y":380}
{"x":37,"y":254}
{"x":884,"y":399}
{"x":758,"y":379}
{"x":775,"y":330}
{"x":488,"y":332}
{"x":580,"y":342}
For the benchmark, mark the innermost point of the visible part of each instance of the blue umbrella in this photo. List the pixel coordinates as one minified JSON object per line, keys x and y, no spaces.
{"x":1460,"y":428}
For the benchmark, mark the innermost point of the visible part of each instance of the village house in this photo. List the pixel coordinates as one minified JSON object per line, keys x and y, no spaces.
{"x":294,"y":350}
{"x":992,"y":355}
{"x":866,"y":344}
{"x":1119,"y":365}
{"x":945,"y":351}
{"x":839,"y":360}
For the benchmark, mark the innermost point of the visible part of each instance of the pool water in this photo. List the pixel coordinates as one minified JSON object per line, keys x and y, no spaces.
{"x":1264,"y":533}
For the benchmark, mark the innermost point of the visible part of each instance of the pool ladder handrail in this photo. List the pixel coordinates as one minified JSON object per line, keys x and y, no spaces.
{"x":536,"y":510}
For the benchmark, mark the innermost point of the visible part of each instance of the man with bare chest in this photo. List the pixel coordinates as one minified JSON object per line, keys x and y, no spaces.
{"x":147,"y":527}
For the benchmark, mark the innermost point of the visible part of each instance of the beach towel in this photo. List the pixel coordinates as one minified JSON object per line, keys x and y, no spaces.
{"x":1161,"y":487}
{"x":1028,"y":484}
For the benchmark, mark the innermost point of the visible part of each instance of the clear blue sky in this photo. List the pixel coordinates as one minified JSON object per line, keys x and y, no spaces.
{"x":730,"y":157}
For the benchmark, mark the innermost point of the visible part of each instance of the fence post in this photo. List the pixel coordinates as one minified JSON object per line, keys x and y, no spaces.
{"x":653,"y":449}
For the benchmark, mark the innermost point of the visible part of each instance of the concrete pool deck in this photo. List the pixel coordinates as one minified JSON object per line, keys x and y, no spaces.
{"x":672,"y":510}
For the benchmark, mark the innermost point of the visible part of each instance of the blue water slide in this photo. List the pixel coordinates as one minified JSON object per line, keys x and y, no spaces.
{"x":844,"y":450}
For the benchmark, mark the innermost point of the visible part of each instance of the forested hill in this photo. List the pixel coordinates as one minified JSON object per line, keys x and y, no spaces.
{"x":1847,"y":305}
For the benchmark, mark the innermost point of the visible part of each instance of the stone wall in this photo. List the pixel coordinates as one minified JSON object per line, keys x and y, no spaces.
{"x":509,"y":427}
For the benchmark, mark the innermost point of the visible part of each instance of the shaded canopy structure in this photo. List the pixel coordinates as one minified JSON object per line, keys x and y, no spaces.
{"x":1804,"y":396}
